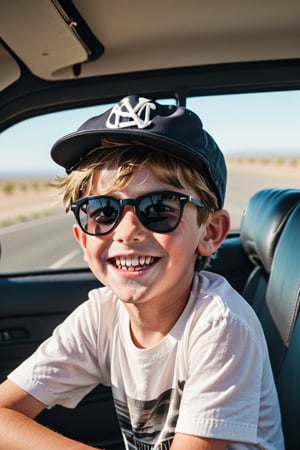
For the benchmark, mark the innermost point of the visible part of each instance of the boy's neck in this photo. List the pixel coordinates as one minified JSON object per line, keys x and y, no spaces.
{"x":148,"y":325}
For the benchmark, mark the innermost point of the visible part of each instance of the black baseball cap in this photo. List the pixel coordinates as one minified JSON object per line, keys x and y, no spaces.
{"x":173,"y":129}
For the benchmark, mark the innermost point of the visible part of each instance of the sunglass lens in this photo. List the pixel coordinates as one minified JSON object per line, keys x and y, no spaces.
{"x":160,"y":212}
{"x":99,"y":215}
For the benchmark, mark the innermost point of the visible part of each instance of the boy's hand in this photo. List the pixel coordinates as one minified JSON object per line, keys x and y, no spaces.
{"x":18,"y":430}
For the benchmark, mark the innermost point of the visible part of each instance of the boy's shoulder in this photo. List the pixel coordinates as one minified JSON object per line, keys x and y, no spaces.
{"x":214,"y":298}
{"x":101,"y":307}
{"x":209,"y":283}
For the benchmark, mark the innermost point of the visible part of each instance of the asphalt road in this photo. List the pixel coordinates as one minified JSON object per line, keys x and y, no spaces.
{"x":48,"y":243}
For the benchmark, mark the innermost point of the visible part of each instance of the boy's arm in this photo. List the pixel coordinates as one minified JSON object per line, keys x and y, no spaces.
{"x":181,"y":441}
{"x":19,"y":431}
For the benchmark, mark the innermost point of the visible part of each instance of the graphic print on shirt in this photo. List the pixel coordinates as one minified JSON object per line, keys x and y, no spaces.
{"x":149,"y":424}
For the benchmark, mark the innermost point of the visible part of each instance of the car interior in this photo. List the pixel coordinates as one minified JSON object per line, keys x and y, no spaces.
{"x":58,"y":55}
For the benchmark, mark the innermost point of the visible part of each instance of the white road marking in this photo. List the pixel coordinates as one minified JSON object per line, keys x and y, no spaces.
{"x":29,"y":224}
{"x":62,"y":261}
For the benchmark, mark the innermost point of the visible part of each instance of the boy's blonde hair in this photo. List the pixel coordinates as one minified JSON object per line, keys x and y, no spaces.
{"x":127,"y":159}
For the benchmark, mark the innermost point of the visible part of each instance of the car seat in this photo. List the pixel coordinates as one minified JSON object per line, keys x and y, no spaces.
{"x":262,"y":223}
{"x":282,"y":300}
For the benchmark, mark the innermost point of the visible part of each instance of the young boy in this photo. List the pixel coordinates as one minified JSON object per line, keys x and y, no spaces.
{"x":183,"y":352}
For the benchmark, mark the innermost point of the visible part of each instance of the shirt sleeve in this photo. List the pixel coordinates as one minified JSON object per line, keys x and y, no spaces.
{"x":221,"y":397}
{"x":65,"y":367}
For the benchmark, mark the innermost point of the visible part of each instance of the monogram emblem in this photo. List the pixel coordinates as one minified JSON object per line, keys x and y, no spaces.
{"x":124,"y":115}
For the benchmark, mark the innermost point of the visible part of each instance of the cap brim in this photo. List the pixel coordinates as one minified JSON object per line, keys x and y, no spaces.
{"x":71,"y":149}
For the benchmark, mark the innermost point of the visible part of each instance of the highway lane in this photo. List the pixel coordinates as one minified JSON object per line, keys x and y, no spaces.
{"x":48,"y":243}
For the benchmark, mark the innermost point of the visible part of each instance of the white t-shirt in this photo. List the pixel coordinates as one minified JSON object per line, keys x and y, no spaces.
{"x":210,"y":376}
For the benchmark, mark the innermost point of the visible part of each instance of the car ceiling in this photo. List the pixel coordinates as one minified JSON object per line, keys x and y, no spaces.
{"x":107,"y":48}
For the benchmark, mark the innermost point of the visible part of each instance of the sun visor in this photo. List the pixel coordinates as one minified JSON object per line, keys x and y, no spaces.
{"x":10,"y":70}
{"x":47,"y":37}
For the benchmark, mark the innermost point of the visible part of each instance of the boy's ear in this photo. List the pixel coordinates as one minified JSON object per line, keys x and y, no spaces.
{"x":80,"y":236}
{"x":214,"y":233}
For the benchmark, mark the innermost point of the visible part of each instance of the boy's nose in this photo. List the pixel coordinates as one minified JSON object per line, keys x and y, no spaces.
{"x":129,"y":228}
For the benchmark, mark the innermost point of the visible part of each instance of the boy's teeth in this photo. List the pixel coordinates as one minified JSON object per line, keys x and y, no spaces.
{"x":125,"y":262}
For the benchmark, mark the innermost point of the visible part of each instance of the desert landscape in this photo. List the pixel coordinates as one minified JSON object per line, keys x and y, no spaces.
{"x":27,"y":199}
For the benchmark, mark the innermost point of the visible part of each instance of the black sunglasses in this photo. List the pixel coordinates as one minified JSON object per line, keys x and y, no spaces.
{"x":158,"y":211}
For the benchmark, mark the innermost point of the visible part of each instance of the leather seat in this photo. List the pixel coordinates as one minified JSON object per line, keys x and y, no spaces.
{"x":262,"y":223}
{"x":282,"y":301}
{"x":271,"y":236}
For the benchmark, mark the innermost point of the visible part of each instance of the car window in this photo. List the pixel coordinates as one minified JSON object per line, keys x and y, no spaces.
{"x":258,"y":133}
{"x":260,"y":137}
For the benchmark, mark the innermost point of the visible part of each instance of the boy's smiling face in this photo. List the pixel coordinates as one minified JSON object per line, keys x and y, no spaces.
{"x":139,"y":265}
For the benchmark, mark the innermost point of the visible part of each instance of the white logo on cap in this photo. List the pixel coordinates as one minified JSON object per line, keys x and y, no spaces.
{"x":132,"y":114}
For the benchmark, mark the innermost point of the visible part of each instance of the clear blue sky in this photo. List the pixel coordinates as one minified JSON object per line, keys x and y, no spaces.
{"x":239,"y":123}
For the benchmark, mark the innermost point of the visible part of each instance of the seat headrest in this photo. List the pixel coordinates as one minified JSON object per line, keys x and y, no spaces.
{"x":263,"y":221}
{"x":283,"y":292}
